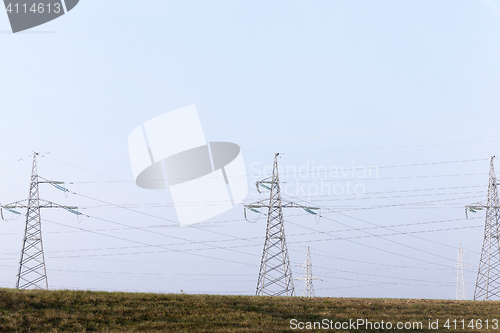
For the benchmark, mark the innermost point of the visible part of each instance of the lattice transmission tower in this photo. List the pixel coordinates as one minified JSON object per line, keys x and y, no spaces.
{"x":275,"y":275}
{"x":460,"y":265}
{"x":488,"y":275}
{"x":32,"y":272}
{"x":308,"y":277}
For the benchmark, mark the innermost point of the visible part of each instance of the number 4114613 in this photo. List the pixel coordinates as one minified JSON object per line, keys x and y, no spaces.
{"x":40,"y":8}
{"x":473,"y":324}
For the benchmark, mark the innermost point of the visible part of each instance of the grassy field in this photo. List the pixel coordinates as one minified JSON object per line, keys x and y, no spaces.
{"x":86,"y":311}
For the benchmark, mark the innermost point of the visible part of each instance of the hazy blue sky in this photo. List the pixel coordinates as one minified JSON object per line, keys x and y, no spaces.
{"x":336,"y":84}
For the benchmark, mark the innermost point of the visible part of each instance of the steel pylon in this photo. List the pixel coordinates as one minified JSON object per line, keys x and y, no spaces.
{"x":460,"y":265}
{"x":488,"y":275}
{"x":32,"y":273}
{"x":275,"y":275}
{"x":308,"y":277}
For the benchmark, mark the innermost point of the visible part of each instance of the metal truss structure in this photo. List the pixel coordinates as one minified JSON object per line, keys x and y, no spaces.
{"x":275,"y":275}
{"x":460,"y":265}
{"x":488,"y":275}
{"x":308,"y":277}
{"x":32,"y":272}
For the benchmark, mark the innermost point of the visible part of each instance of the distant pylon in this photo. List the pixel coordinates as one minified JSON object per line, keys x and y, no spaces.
{"x":488,"y":275}
{"x":460,"y":265}
{"x":32,"y":272}
{"x":308,"y":285}
{"x":275,"y":275}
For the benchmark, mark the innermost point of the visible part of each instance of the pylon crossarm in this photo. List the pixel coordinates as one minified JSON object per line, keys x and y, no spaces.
{"x":258,"y":204}
{"x":254,"y":208}
{"x":8,"y":209}
{"x":307,"y":278}
{"x":478,"y":206}
{"x":16,"y":204}
{"x":261,"y":183}
{"x":50,"y":204}
{"x":11,"y":207}
{"x":55,"y":183}
{"x":474,"y":208}
{"x":310,"y":210}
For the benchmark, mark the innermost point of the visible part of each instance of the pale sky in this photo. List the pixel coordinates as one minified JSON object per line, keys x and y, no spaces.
{"x":409,"y":88}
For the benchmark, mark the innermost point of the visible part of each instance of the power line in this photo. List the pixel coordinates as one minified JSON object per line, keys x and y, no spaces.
{"x":394,"y":147}
{"x":337,"y":197}
{"x":164,"y":234}
{"x":351,"y":169}
{"x":399,"y":178}
{"x":202,"y":229}
{"x":394,"y":234}
{"x":149,"y":245}
{"x":318,"y":170}
{"x":228,"y":247}
{"x":161,"y":218}
{"x":379,"y":249}
{"x":402,"y":205}
{"x":375,"y":263}
{"x":314,"y":233}
{"x":404,"y":245}
{"x":118,"y":180}
{"x":170,"y":250}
